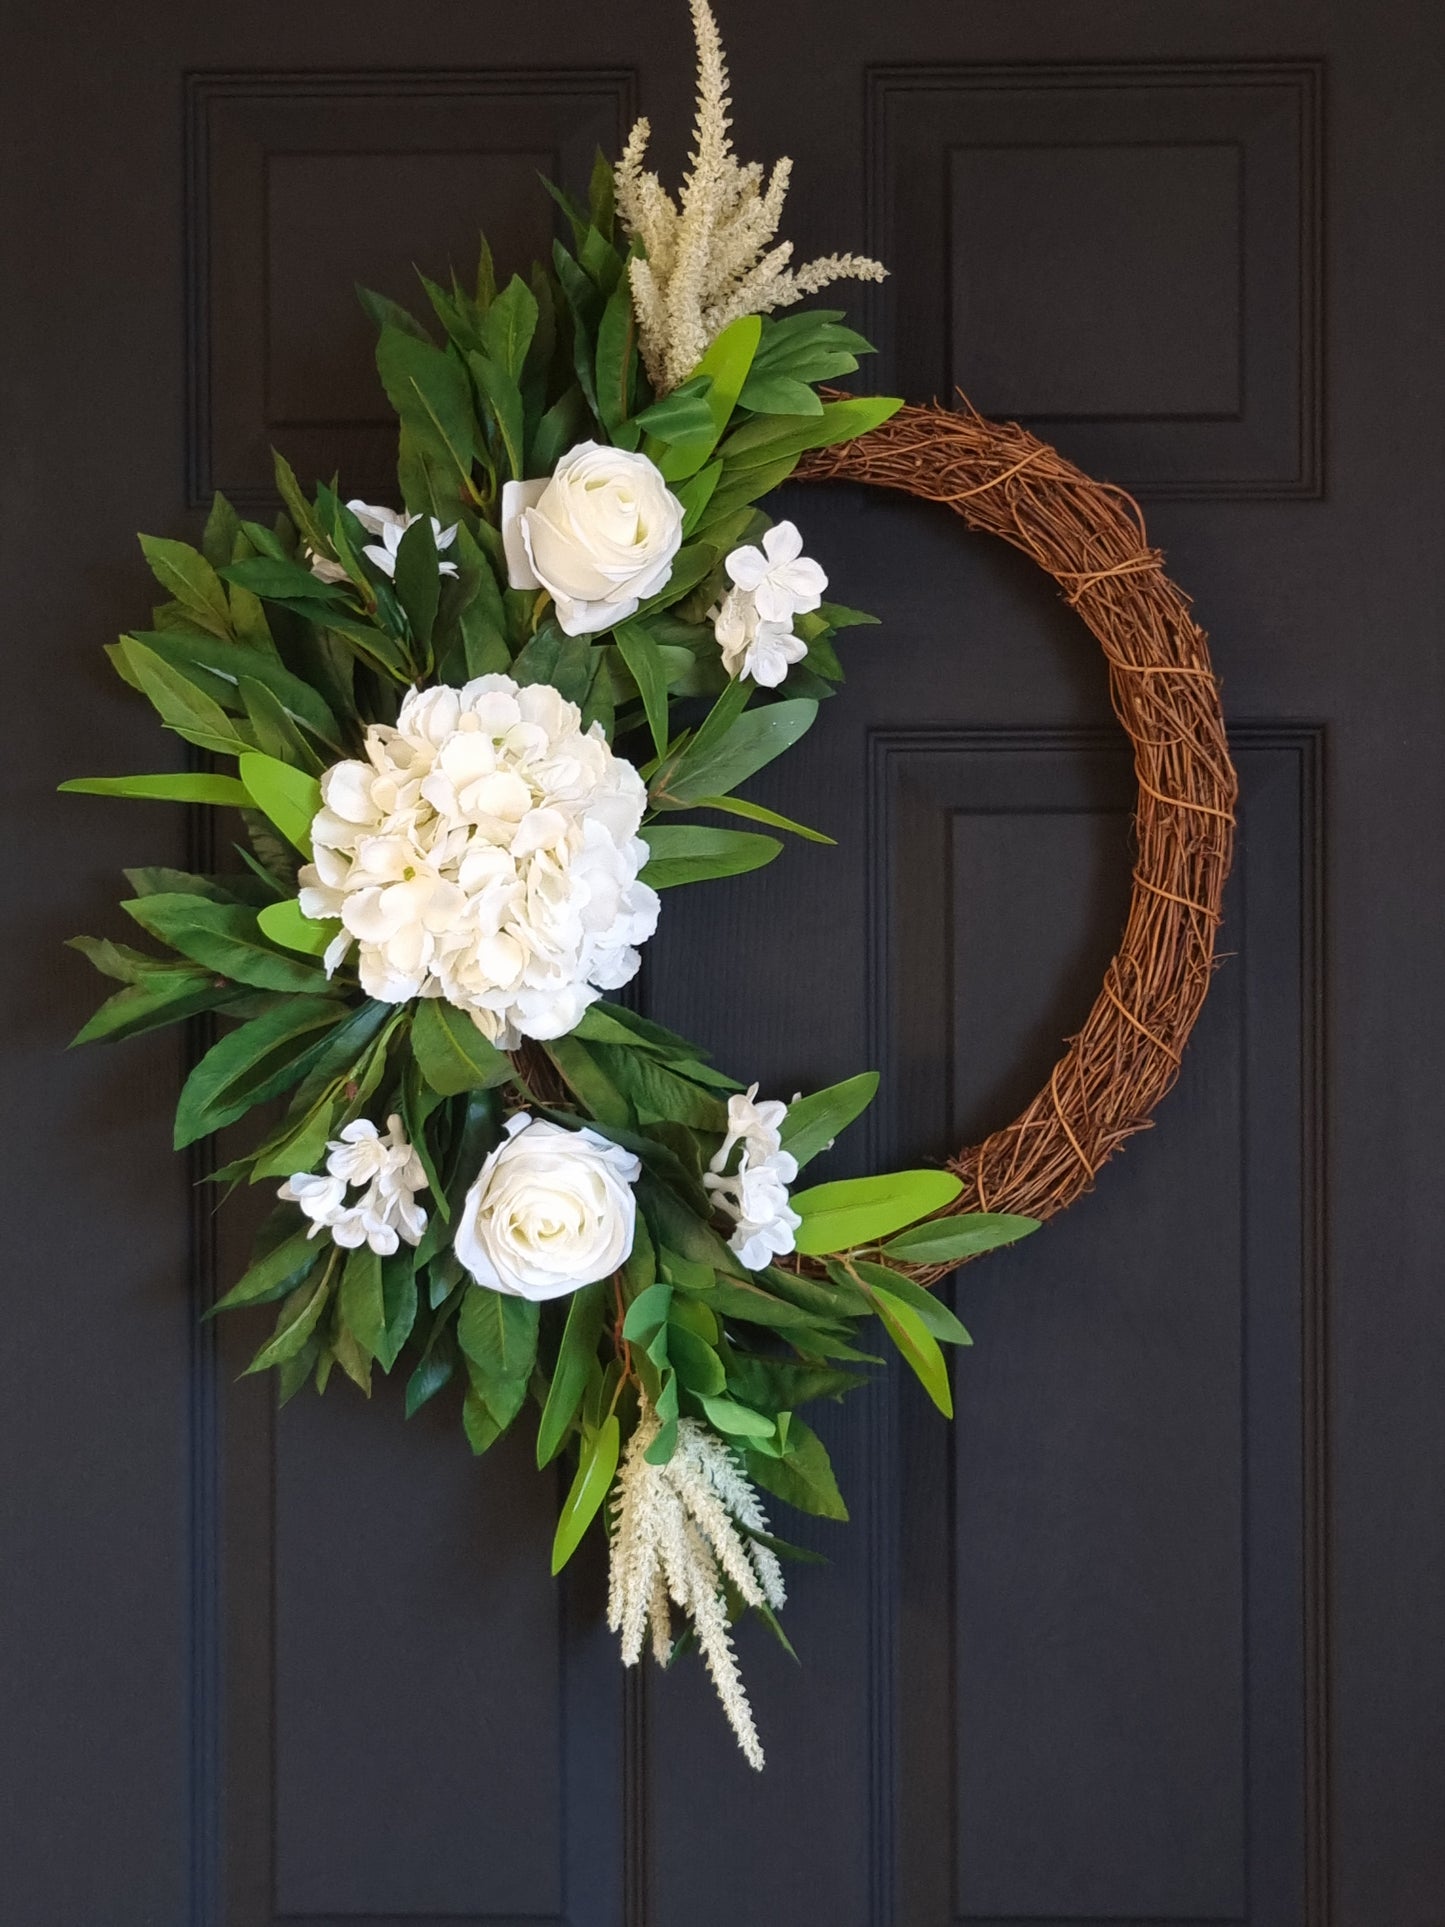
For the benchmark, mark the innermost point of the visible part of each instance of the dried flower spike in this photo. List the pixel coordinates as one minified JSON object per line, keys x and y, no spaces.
{"x":713,"y":258}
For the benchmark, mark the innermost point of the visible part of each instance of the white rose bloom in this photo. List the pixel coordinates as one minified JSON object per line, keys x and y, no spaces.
{"x":390,"y":526}
{"x":782,"y":581}
{"x":599,"y":534}
{"x":551,"y":1210}
{"x":755,"y":1196}
{"x":751,"y":647}
{"x":486,"y":852}
{"x":387,"y":1172}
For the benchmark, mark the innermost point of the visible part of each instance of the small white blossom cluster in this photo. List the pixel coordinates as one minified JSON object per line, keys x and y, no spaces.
{"x":756,"y":1194}
{"x":387,"y":1172}
{"x":389,"y":527}
{"x":679,"y":1528}
{"x":712,"y":259}
{"x":486,"y":851}
{"x":754,"y":621}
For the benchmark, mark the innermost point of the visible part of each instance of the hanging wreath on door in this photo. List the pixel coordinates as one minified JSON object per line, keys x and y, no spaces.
{"x":487,"y":1166}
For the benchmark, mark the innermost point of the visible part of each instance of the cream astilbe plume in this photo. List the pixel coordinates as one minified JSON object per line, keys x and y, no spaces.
{"x":711,"y":258}
{"x":676,"y":1533}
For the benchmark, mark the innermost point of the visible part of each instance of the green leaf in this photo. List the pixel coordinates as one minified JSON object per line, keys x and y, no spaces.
{"x":294,"y":1326}
{"x":360,"y":1301}
{"x":510,"y":323}
{"x":182,"y":786}
{"x":226,"y":938}
{"x":166,"y":994}
{"x":768,"y":394}
{"x":273,"y":729}
{"x":399,"y":1304}
{"x":682,"y":413}
{"x":738,"y":1420}
{"x":284,"y":923}
{"x":429,"y":391}
{"x":814,"y":1121}
{"x":726,"y":365}
{"x":937,"y":1316}
{"x":250,"y":1064}
{"x":588,"y":1081}
{"x":779,"y":437}
{"x":649,"y":671}
{"x":752,"y":741}
{"x":690,"y":853}
{"x":595,"y":1472}
{"x":918,"y":1346}
{"x":452,"y":1053}
{"x":657,"y":1093}
{"x":946,"y":1241}
{"x":857,"y":1211}
{"x":586,"y":1314}
{"x":179,"y":703}
{"x":498,"y":1333}
{"x":189,"y":577}
{"x":616,"y":357}
{"x":273,"y":1274}
{"x":504,"y":398}
{"x":418,"y":580}
{"x":756,"y":813}
{"x":803,"y":1477}
{"x":287,"y":797}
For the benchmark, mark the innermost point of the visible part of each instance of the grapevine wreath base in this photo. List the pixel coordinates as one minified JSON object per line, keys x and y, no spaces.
{"x":476,"y":740}
{"x":1089,"y":536}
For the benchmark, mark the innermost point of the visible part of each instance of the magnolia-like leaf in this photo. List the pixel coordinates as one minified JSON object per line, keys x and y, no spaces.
{"x":689,"y":853}
{"x":918,"y":1346}
{"x":586,"y":1312}
{"x":452,"y":1053}
{"x":225,"y":937}
{"x":284,"y":923}
{"x":739,"y":1420}
{"x":294,"y":1326}
{"x":596,"y":1470}
{"x":946,"y":1241}
{"x":273,"y":1274}
{"x":287,"y":797}
{"x":183,"y":786}
{"x":814,"y":1121}
{"x":859,"y":1211}
{"x":725,"y":365}
{"x":803,"y":1477}
{"x":360,"y":1300}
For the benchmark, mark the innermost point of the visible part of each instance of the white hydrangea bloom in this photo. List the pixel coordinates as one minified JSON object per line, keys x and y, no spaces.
{"x":782,"y":581}
{"x":487,"y":852}
{"x":755,"y":1196}
{"x":389,"y":526}
{"x":387,"y":1172}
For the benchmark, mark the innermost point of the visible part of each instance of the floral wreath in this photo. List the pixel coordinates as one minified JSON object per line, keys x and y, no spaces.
{"x":486,"y":1166}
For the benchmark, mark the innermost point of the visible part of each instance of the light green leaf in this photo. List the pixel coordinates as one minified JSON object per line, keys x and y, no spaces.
{"x":596,"y":1470}
{"x":713,"y":768}
{"x":688,"y":853}
{"x":918,"y":1346}
{"x":803,"y":1477}
{"x":937,"y":1316}
{"x":586,"y":1313}
{"x":756,"y":813}
{"x":428,"y":389}
{"x":814,"y":1121}
{"x":182,"y":786}
{"x":287,"y":797}
{"x":726,"y":365}
{"x":648,"y":670}
{"x":510,"y":323}
{"x":738,"y":1420}
{"x":283,"y":923}
{"x":179,"y":703}
{"x":770,"y":394}
{"x":946,"y":1241}
{"x":857,"y":1211}
{"x":452,"y":1053}
{"x":189,"y":577}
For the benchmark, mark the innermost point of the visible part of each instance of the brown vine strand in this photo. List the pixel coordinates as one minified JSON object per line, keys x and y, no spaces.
{"x":1090,"y":537}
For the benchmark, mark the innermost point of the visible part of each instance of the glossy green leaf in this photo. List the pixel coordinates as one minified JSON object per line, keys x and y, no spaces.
{"x":182,"y":786}
{"x":284,"y":923}
{"x":803,"y":1477}
{"x":189,"y":577}
{"x":648,"y":670}
{"x":756,"y":813}
{"x":688,"y":853}
{"x":712,"y":768}
{"x":498,"y":1332}
{"x":589,"y":1082}
{"x":814,"y":1121}
{"x":918,"y":1346}
{"x":226,"y":938}
{"x":360,"y":1301}
{"x":596,"y":1470}
{"x":275,"y":1273}
{"x":452,"y":1053}
{"x":250,"y":1064}
{"x":294,"y":1326}
{"x":936,"y":1315}
{"x":858,"y":1211}
{"x":418,"y":582}
{"x":946,"y":1241}
{"x":726,"y":366}
{"x":586,"y":1314}
{"x":287,"y":797}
